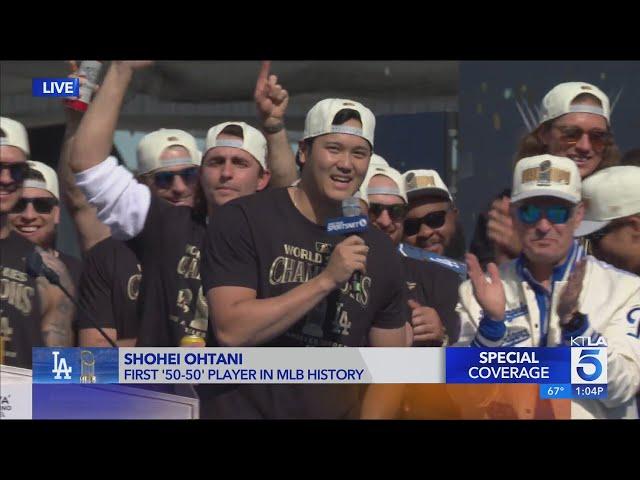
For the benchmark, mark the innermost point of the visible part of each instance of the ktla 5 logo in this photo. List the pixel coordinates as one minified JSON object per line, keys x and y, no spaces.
{"x":588,"y":365}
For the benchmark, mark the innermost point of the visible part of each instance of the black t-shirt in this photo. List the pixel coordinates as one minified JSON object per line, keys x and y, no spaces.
{"x":109,"y":288}
{"x":171,"y":304}
{"x":20,"y":304}
{"x":437,"y":287}
{"x":264,"y":243}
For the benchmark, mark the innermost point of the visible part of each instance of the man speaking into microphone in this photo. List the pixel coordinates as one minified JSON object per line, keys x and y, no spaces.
{"x":278,"y":269}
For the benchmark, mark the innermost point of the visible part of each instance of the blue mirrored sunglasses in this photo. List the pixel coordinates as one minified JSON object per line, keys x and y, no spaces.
{"x":557,"y":214}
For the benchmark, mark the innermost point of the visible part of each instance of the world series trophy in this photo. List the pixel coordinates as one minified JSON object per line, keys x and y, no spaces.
{"x":199,"y":322}
{"x":87,"y":367}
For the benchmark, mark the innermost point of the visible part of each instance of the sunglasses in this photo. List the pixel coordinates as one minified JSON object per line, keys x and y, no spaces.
{"x":164,"y":180}
{"x":432,"y":220}
{"x":18,"y":171}
{"x":40,"y":204}
{"x":556,"y":214}
{"x":396,"y":212}
{"x":599,"y":138}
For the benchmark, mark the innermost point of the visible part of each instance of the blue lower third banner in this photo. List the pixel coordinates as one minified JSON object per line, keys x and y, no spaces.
{"x":509,"y":365}
{"x":237,"y":365}
{"x":75,"y":365}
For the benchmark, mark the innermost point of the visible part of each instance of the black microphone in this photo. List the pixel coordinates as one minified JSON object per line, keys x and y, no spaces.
{"x":37,"y":268}
{"x":351,"y":208}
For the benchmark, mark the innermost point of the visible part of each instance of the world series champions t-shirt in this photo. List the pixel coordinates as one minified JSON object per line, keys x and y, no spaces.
{"x":264,"y":243}
{"x":109,"y":288}
{"x":434,"y":286}
{"x":20,"y":304}
{"x":171,"y":304}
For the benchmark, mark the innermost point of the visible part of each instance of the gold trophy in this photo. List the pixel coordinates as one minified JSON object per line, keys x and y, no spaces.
{"x":87,"y":367}
{"x":199,"y":322}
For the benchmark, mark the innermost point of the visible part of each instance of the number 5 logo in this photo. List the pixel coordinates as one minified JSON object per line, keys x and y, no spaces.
{"x":589,"y":357}
{"x":588,"y":365}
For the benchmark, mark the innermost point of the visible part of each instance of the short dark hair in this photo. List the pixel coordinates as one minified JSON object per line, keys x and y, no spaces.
{"x":235,"y":130}
{"x":33,"y":174}
{"x":342,"y":117}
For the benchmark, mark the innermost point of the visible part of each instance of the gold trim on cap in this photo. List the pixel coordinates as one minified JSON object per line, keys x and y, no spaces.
{"x":422,"y":181}
{"x":556,"y":175}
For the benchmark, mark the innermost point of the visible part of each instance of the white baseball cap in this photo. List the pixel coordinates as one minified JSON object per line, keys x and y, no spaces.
{"x":558,"y":101}
{"x":152,"y":146}
{"x":14,"y":135}
{"x":377,"y":160}
{"x":50,"y":183}
{"x":388,"y":172}
{"x":252,"y":141}
{"x":546,"y":176}
{"x":609,"y":194}
{"x":320,"y":118}
{"x":425,"y":182}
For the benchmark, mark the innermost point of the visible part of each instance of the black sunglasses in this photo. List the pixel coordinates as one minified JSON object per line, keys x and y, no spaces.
{"x":432,"y":220}
{"x":164,"y":180}
{"x":18,"y":171}
{"x":40,"y":204}
{"x":396,"y":212}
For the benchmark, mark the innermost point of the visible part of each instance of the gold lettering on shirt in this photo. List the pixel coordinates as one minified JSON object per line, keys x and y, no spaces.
{"x":184,"y":300}
{"x":361,"y":297}
{"x":189,"y":264}
{"x":17,"y":295}
{"x":302,"y":254}
{"x":16,"y":275}
{"x":285,"y":270}
{"x":133,"y":285}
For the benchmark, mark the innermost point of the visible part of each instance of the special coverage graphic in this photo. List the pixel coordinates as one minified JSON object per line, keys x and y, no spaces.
{"x":578,"y":372}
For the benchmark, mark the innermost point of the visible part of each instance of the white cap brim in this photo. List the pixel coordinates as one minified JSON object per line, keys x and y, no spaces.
{"x":545,"y":192}
{"x":589,"y":226}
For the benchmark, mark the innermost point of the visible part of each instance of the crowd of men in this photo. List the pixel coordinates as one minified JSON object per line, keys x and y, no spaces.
{"x":229,"y":247}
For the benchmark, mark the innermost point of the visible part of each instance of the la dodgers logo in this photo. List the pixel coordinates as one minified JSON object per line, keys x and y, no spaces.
{"x":60,"y":367}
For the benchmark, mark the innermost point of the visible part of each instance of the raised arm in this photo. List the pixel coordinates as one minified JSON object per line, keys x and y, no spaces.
{"x":122,"y":203}
{"x":271,"y":102}
{"x":94,"y":137}
{"x":90,"y":230}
